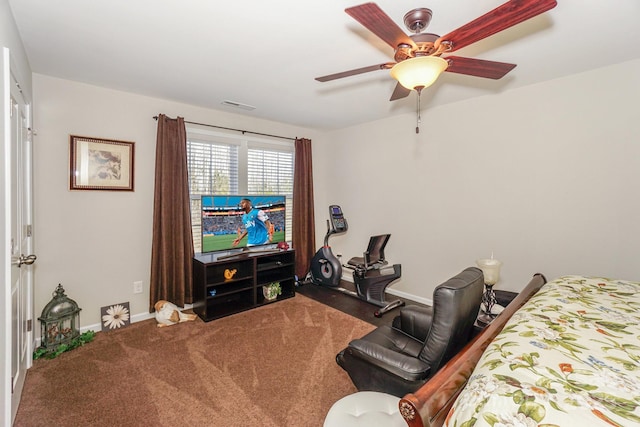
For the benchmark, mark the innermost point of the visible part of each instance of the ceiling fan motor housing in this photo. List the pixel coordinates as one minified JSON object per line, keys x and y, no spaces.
{"x":425,"y":43}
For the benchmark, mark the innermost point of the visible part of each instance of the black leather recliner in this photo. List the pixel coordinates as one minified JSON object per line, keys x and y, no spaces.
{"x":398,"y":359}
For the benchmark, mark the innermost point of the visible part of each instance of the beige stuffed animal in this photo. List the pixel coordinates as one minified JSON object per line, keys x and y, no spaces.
{"x":167,"y":314}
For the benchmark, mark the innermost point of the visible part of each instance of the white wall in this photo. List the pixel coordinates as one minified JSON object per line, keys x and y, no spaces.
{"x":547,"y":177}
{"x":97,"y":243}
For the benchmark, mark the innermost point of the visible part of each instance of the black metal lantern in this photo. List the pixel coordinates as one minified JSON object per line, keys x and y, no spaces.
{"x":60,"y":319}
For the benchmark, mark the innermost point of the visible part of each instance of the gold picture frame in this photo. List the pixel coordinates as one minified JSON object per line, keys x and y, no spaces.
{"x":100,"y":164}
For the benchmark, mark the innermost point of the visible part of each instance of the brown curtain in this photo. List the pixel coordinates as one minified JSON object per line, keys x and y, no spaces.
{"x":172,"y":247}
{"x":304,"y":235}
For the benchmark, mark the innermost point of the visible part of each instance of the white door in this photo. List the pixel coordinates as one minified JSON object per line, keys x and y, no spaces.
{"x":21,"y":232}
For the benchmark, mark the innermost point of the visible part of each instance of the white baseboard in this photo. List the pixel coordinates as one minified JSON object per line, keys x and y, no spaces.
{"x":97,"y":327}
{"x":134,"y":318}
{"x":411,"y":297}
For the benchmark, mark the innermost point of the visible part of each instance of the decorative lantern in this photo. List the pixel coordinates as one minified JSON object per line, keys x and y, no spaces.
{"x":60,"y":319}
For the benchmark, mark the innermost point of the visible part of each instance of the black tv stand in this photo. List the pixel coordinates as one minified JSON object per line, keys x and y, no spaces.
{"x":234,"y":283}
{"x":262,"y":251}
{"x":232,"y":255}
{"x":247,"y":252}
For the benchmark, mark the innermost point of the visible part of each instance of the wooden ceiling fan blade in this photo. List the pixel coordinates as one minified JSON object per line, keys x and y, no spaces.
{"x":399,"y":92}
{"x":362,"y":70}
{"x":375,"y":20}
{"x":507,"y":15}
{"x":478,"y":67}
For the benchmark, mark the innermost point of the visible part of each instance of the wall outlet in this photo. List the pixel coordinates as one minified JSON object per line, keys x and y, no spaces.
{"x":137,"y":287}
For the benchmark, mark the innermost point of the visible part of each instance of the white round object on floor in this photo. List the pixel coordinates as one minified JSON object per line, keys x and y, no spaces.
{"x":365,"y":409}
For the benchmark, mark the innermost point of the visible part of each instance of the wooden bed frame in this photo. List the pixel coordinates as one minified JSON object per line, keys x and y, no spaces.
{"x":430,"y":404}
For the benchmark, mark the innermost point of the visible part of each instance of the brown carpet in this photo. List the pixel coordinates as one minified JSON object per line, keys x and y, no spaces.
{"x":271,"y":366}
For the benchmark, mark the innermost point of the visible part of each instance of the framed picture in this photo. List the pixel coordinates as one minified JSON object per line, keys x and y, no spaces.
{"x":100,"y":164}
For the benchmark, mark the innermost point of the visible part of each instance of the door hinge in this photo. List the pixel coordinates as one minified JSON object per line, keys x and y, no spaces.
{"x":29,"y":325}
{"x":29,"y":230}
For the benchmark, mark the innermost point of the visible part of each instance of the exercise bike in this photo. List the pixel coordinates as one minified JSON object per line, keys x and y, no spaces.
{"x":370,"y":274}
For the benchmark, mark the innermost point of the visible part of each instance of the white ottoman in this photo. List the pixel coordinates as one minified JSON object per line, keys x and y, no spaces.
{"x":365,"y":409}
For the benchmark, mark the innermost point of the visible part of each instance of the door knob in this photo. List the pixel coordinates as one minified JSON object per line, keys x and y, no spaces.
{"x":24,"y":259}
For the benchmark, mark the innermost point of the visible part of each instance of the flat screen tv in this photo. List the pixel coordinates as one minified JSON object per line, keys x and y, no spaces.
{"x":222,"y":221}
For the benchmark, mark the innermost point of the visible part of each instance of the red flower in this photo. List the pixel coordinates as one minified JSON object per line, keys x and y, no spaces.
{"x":566,"y":368}
{"x":538,"y":390}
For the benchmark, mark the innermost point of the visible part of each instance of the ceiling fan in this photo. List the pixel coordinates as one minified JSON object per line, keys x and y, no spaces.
{"x":418,"y":53}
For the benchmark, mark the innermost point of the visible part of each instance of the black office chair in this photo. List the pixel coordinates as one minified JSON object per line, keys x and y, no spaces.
{"x":370,"y":276}
{"x":399,"y":359}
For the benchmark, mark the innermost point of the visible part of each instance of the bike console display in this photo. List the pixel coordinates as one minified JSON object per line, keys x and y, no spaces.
{"x":338,"y":222}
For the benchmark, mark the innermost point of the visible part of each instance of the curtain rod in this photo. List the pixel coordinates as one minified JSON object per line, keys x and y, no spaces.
{"x":236,"y":130}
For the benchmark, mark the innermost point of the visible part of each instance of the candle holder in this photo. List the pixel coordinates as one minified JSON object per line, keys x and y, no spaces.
{"x":491,"y":271}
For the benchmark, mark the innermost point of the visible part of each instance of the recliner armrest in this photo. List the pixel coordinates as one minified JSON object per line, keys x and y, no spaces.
{"x":415,"y":321}
{"x":402,"y":365}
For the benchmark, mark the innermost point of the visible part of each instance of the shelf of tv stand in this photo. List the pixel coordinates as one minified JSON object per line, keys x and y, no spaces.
{"x":215,"y":296}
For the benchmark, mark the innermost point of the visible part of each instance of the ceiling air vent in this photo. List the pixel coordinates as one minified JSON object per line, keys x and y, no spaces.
{"x":238,"y":105}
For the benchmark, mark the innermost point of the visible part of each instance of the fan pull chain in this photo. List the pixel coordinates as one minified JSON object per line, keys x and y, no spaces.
{"x":418,"y":120}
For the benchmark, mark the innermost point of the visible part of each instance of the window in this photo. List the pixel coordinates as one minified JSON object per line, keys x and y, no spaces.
{"x":223,"y":164}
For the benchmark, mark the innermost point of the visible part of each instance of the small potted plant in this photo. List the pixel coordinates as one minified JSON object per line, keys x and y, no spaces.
{"x":271,"y":291}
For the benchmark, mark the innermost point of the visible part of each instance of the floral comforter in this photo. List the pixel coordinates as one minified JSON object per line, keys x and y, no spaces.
{"x":569,"y":357}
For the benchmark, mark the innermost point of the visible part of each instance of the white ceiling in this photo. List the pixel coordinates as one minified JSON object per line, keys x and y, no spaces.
{"x":267,"y":53}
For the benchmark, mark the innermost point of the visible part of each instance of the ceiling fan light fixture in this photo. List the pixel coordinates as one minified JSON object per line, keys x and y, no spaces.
{"x":419,"y":72}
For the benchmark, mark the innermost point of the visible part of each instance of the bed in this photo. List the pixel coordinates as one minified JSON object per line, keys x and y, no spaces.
{"x":564,"y":353}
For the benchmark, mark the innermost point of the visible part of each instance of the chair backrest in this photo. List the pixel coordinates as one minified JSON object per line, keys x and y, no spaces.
{"x":455,"y":308}
{"x":375,"y":250}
